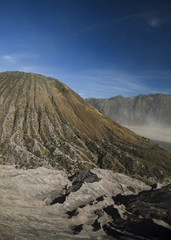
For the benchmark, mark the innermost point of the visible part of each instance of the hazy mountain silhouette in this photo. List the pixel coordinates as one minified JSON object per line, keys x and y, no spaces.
{"x":140,"y":110}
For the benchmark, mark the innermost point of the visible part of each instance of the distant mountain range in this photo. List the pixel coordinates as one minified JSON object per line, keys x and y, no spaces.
{"x":44,"y":123}
{"x":140,"y":110}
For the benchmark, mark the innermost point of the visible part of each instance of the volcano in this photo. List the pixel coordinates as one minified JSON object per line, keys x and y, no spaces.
{"x":45,"y":123}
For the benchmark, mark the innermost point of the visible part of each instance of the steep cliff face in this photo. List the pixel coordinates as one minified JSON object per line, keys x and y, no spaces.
{"x":139,"y":110}
{"x":45,"y":123}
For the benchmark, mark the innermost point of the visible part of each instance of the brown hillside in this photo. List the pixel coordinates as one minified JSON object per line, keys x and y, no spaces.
{"x":45,"y":123}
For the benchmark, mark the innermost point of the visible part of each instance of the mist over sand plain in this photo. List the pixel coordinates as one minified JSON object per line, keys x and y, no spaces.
{"x":157,"y":133}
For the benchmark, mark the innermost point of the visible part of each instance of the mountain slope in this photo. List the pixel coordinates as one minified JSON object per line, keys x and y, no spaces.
{"x":139,"y":110}
{"x":45,"y":123}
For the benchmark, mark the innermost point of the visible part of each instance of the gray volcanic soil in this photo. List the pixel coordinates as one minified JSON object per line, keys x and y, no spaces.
{"x":93,"y":204}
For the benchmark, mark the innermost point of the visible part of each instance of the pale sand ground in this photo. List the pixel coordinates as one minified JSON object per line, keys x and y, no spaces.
{"x":156,"y":134}
{"x":26,"y":213}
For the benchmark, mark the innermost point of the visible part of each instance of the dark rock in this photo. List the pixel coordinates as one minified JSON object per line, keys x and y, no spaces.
{"x":111,"y":211}
{"x":153,"y":186}
{"x":140,"y":211}
{"x":99,"y":199}
{"x":137,"y":228}
{"x":60,"y":200}
{"x":77,"y":181}
{"x":77,"y":229}
{"x":82,"y":206}
{"x":72,"y":213}
{"x":150,"y":204}
{"x":79,"y":178}
{"x":96,"y":225}
{"x":147,"y":228}
{"x":111,"y":231}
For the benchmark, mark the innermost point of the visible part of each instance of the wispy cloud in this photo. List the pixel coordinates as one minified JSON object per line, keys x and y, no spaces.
{"x":156,"y":19}
{"x":14,"y":58}
{"x":107,"y":83}
{"x":108,"y":23}
{"x":9,"y":59}
{"x":153,"y":19}
{"x":18,"y":62}
{"x":154,"y":22}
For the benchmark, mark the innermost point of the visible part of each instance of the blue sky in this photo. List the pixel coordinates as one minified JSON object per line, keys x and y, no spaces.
{"x":99,"y":48}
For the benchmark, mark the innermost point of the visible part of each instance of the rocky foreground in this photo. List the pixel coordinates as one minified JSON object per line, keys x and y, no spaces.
{"x":93,"y":204}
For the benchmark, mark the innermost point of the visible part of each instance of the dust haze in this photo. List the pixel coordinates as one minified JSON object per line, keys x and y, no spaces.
{"x":159,"y":133}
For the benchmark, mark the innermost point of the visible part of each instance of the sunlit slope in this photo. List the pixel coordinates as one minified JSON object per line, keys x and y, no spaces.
{"x":45,"y":123}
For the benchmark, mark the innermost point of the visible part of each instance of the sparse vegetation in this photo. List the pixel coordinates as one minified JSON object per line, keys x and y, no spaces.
{"x":43,"y":123}
{"x":131,"y":189}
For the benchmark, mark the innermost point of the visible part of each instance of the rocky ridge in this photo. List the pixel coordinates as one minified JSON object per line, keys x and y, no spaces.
{"x":134,"y":111}
{"x":93,"y":204}
{"x":45,"y":123}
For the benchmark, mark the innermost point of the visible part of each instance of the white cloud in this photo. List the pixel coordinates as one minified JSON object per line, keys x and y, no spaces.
{"x":9,"y":59}
{"x":14,"y":58}
{"x":154,"y":22}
